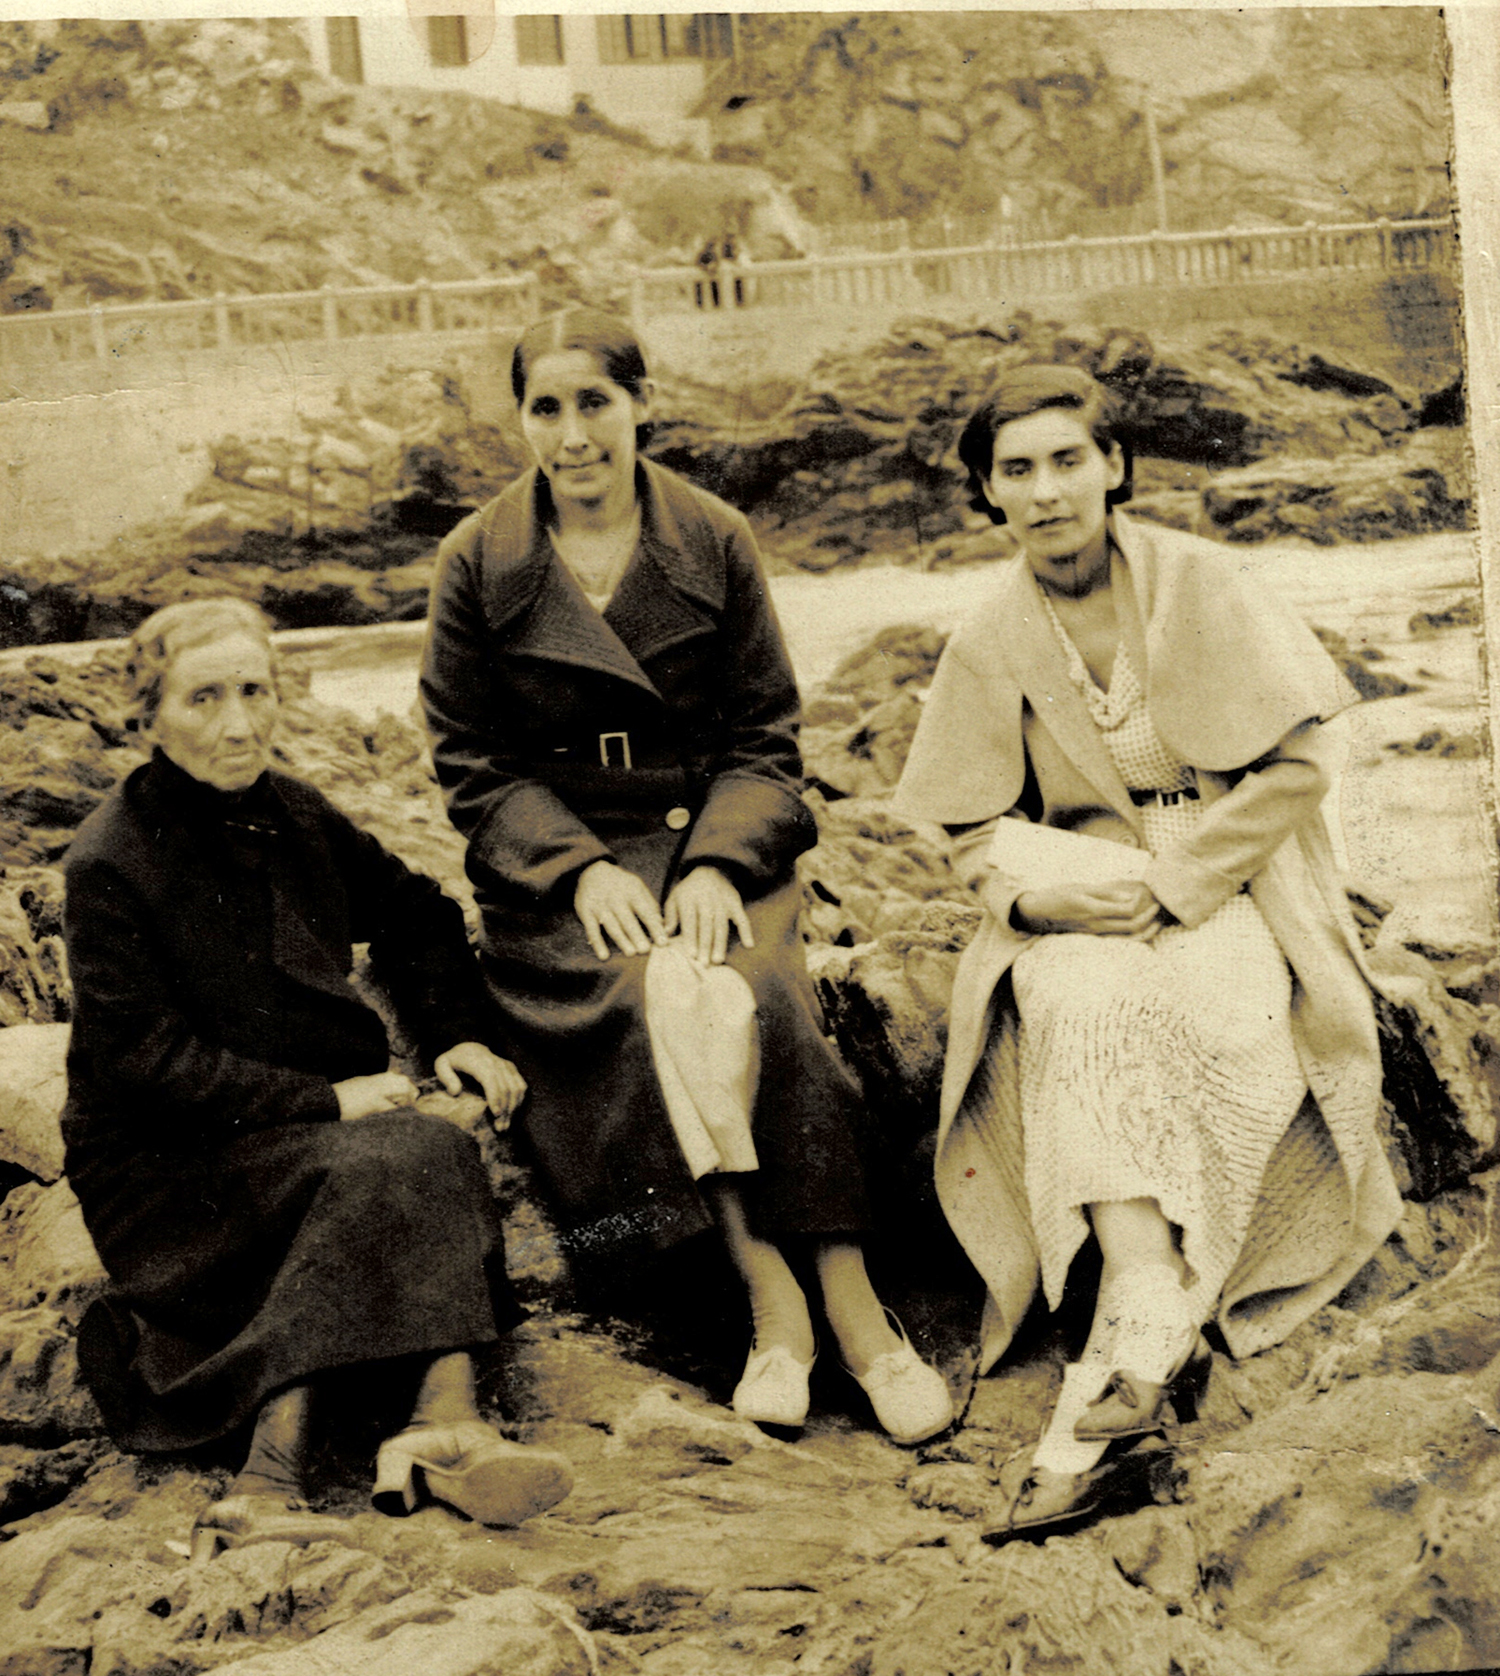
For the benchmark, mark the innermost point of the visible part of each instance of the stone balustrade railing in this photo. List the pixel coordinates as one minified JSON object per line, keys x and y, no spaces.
{"x":223,"y":323}
{"x":1022,"y":272}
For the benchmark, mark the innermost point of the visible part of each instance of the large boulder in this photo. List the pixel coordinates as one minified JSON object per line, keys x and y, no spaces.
{"x":49,"y":1274}
{"x":33,"y":1087}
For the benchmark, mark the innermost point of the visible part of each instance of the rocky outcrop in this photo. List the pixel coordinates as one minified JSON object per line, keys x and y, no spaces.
{"x":336,"y":521}
{"x":431,"y":185}
{"x":862,"y":457}
{"x":34,"y":1075}
{"x":1331,"y":1507}
{"x":1262,"y":118}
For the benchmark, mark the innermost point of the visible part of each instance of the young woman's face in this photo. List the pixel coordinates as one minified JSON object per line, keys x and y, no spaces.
{"x":218,"y":711}
{"x":1050,"y":478}
{"x":580,"y":426}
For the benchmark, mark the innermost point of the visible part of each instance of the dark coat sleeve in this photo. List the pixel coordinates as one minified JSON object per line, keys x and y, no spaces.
{"x":418,"y":946}
{"x":131,"y":1032}
{"x":753,"y":823}
{"x":518,"y":829}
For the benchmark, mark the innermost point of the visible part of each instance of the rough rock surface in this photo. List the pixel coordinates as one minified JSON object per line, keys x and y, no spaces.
{"x":430,"y":185}
{"x":1331,"y":1509}
{"x":335,"y":521}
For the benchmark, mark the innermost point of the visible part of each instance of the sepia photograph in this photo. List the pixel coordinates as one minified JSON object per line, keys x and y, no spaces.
{"x":947,"y":1127}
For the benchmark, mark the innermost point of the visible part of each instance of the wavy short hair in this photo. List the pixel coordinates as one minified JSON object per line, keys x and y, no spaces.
{"x":608,"y":338}
{"x":1034,"y":388}
{"x":175,"y":629}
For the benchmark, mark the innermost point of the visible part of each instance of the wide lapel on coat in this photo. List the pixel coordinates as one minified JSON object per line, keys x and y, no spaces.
{"x":669,"y":594}
{"x":545,"y":614}
{"x":1041,"y":667}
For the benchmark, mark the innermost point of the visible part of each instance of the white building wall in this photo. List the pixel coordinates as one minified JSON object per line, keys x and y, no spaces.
{"x":653,"y":97}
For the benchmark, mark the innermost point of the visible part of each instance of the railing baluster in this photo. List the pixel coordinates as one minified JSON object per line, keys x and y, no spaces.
{"x":1019,"y":270}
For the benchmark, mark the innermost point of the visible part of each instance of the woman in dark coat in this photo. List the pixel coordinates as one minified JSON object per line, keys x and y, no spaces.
{"x":614,"y":721}
{"x":264,"y":1202}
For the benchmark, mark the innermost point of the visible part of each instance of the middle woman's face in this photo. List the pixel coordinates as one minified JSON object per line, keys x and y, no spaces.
{"x":580,"y":427}
{"x":1050,"y":478}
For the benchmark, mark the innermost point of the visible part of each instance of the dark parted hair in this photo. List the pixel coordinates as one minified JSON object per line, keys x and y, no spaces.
{"x":1017,"y":394}
{"x":608,"y":338}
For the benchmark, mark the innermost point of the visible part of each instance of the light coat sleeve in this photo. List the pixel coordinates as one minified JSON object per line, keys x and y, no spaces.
{"x":1240,"y":832}
{"x":967,"y":762}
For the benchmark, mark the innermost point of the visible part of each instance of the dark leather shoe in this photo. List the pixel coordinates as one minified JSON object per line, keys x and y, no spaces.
{"x":1045,"y":1503}
{"x":1134,"y":1407}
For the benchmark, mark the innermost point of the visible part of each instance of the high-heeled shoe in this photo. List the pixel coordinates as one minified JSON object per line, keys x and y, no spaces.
{"x":773,"y":1388}
{"x":471,"y":1468}
{"x":1131,"y":1406}
{"x":911,"y":1398}
{"x":236,"y":1521}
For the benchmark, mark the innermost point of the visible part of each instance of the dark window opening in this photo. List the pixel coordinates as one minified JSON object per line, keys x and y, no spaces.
{"x":539,"y":40}
{"x":345,"y":61}
{"x":448,"y":42}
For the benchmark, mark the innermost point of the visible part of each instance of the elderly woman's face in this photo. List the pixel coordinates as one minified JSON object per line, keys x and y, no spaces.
{"x":218,"y":711}
{"x":1049,"y":479}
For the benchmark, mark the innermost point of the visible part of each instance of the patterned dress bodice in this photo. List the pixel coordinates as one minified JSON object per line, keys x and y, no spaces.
{"x":1145,"y":761}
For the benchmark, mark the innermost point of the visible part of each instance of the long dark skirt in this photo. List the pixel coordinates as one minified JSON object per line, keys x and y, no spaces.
{"x":594,"y":1121}
{"x":287,"y":1253}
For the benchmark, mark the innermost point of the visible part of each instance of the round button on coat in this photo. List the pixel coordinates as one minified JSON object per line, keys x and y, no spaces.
{"x":678,"y":818}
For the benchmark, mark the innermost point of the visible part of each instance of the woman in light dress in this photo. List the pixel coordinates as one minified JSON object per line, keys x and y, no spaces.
{"x":1179,"y":1061}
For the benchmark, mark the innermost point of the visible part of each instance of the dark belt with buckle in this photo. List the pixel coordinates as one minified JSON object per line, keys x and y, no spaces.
{"x":1165,"y":798}
{"x":614,"y":750}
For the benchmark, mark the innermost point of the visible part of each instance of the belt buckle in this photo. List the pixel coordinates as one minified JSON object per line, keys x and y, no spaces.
{"x":605,"y":741}
{"x":1169,"y":799}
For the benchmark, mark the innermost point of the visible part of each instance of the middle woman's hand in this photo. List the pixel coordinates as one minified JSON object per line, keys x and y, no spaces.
{"x":612,"y":901}
{"x":703,"y":906}
{"x":1124,"y":909}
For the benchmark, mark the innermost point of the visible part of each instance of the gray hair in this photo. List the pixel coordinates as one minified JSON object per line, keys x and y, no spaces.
{"x":175,"y":629}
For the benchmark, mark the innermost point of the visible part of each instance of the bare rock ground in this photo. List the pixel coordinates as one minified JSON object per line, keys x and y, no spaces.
{"x":1332,"y":1509}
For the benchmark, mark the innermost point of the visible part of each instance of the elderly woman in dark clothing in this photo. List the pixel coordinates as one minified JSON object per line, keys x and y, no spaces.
{"x":614,"y":723}
{"x":267,"y":1205}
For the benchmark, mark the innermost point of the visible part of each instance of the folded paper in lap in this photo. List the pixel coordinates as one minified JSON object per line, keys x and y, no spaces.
{"x":1045,"y":856}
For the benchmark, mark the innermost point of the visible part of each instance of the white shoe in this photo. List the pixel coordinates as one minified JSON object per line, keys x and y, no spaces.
{"x":911,"y":1399}
{"x":773,"y":1390}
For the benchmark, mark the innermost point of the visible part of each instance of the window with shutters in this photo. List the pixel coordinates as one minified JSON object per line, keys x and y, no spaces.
{"x":681,"y":37}
{"x":344,"y":59}
{"x":539,"y":40}
{"x":447,"y":42}
{"x":645,"y":35}
{"x":716,"y":34}
{"x":614,"y":40}
{"x":641,"y":39}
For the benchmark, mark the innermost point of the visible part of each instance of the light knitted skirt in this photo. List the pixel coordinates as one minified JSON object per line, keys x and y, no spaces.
{"x":1161,"y":1070}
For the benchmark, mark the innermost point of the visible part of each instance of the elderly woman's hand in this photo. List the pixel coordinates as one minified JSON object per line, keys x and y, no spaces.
{"x":1125,"y":909}
{"x":612,"y":899}
{"x":503,"y":1085}
{"x":702,"y":907}
{"x":386,"y":1091}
